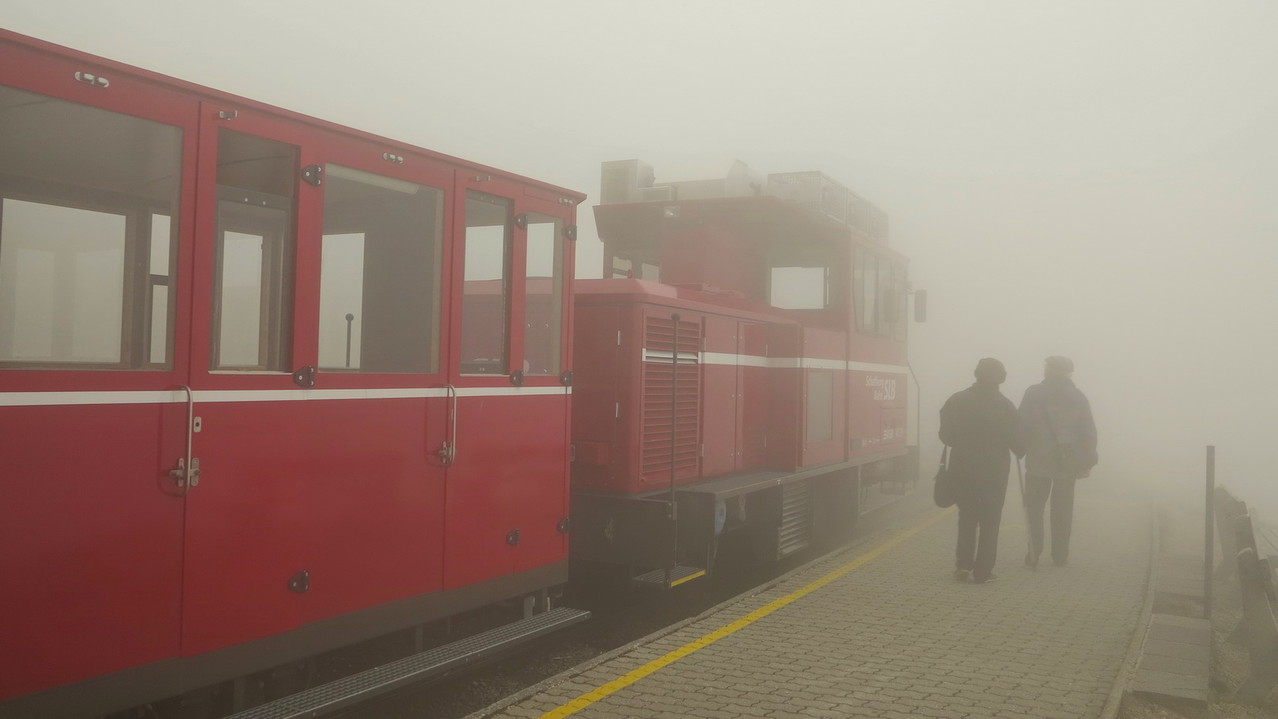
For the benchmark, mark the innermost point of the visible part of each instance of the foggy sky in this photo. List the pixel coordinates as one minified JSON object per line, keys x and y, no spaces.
{"x":1090,"y":178}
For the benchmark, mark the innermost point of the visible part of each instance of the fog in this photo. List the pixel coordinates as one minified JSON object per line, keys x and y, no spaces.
{"x":1089,"y":178}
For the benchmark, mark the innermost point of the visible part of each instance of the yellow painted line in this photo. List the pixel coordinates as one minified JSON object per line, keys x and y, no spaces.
{"x":626,"y":680}
{"x":688,"y":578}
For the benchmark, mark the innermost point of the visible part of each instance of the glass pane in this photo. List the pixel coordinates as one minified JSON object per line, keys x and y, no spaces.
{"x":486,"y":288}
{"x":820,"y":406}
{"x":80,"y":189}
{"x":62,"y":272}
{"x":159,"y":322}
{"x":341,"y":301}
{"x":256,"y":164}
{"x":253,"y":307}
{"x":798,"y":288}
{"x":242,"y":301}
{"x":160,"y":236}
{"x":868,"y":276}
{"x":887,"y":300}
{"x":900,"y":294}
{"x":543,"y":301}
{"x":379,"y":275}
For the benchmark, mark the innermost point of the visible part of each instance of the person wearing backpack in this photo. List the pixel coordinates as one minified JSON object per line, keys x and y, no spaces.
{"x":1061,"y":437}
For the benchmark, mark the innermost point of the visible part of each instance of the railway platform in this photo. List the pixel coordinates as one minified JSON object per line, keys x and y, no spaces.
{"x":883,"y":629}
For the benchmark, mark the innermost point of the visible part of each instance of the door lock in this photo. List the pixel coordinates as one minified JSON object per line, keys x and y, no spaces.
{"x":184,"y":477}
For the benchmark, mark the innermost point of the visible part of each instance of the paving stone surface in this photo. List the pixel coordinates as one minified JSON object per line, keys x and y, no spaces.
{"x":897,"y":636}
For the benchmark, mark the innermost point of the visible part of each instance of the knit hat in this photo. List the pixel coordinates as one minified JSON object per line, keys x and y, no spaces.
{"x":990,"y":370}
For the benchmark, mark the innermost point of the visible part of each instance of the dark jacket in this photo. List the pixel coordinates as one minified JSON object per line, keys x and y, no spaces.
{"x":1056,"y":413}
{"x":982,"y":428}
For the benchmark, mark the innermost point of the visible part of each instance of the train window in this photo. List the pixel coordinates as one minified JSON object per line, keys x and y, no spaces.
{"x":900,"y":298}
{"x":866,"y":278}
{"x":87,"y":202}
{"x":820,"y":425}
{"x":254,"y":256}
{"x":379,"y":273}
{"x":159,"y":278}
{"x":543,"y":301}
{"x":800,"y":288}
{"x":886,"y":299}
{"x":486,"y":285}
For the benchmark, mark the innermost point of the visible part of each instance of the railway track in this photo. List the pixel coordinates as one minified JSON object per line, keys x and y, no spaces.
{"x":618,"y":618}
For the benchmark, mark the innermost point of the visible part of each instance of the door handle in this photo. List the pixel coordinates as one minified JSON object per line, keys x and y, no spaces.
{"x":187,"y":474}
{"x":448,"y":452}
{"x":184,"y":476}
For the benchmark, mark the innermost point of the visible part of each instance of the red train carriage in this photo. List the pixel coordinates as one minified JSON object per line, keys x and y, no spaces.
{"x":742,"y":370}
{"x":264,"y":384}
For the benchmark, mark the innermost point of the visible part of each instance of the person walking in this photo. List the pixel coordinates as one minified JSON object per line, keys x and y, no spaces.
{"x":1061,"y":438}
{"x":983,"y":430}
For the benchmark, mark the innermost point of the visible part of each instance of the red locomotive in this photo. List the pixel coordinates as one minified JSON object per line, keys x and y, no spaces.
{"x":270,"y":386}
{"x":743,"y":370}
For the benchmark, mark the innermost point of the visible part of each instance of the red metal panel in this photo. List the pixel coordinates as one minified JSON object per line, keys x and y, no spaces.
{"x":601,"y":377}
{"x":372,"y":503}
{"x":785,"y":397}
{"x":878,"y":401}
{"x":827,"y":348}
{"x":90,"y":541}
{"x":713,"y":256}
{"x":720,"y":416}
{"x":753,"y":390}
{"x":510,"y":474}
{"x":245,"y":526}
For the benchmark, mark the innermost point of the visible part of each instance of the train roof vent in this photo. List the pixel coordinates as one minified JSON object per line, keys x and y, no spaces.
{"x":819,"y":194}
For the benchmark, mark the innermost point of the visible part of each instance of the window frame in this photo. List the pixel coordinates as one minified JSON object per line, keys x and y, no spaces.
{"x":137,"y":305}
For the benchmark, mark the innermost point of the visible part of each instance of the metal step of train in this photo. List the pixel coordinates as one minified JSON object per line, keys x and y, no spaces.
{"x":359,"y":687}
{"x":671,"y":577}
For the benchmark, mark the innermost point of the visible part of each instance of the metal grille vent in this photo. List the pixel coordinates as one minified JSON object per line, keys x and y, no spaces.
{"x":658,"y":394}
{"x":795,"y":531}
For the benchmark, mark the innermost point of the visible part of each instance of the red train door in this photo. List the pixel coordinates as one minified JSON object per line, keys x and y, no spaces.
{"x":315,"y":375}
{"x":244,"y":521}
{"x":93,"y":271}
{"x":508,"y":478}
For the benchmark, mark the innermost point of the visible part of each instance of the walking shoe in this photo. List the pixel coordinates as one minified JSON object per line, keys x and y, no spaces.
{"x":963,"y":575}
{"x":986,"y":579}
{"x":1031,"y":560}
{"x":1058,"y":561}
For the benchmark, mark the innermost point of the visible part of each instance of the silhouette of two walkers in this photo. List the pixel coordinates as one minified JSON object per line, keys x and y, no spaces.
{"x":1053,"y":429}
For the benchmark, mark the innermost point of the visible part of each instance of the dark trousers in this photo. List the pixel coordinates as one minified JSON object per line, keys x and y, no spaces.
{"x":980,"y":512}
{"x":1038,"y":490}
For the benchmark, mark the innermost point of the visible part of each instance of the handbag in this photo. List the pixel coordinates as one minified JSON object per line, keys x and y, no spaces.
{"x":944,"y":488}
